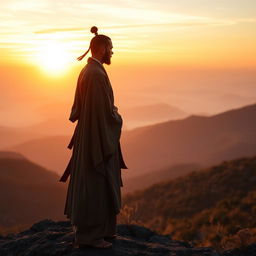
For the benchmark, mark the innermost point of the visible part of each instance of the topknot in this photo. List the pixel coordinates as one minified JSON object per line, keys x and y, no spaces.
{"x":94,"y":30}
{"x":95,"y":42}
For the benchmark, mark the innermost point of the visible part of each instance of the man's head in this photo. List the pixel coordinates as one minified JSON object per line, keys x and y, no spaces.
{"x":101,"y":47}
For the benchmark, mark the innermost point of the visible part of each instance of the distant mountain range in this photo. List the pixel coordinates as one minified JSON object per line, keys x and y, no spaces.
{"x":10,"y":136}
{"x":150,"y":114}
{"x":196,"y":139}
{"x":56,"y":121}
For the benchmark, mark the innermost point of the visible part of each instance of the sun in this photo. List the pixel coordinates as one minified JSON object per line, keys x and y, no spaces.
{"x":53,"y":57}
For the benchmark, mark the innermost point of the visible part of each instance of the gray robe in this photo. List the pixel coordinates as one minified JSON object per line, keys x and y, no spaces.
{"x":96,"y":161}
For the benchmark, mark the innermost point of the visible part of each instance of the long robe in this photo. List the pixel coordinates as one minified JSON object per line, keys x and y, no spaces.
{"x":96,"y":161}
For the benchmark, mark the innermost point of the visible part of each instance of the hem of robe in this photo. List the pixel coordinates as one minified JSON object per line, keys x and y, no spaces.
{"x":114,"y":194}
{"x":91,"y":233}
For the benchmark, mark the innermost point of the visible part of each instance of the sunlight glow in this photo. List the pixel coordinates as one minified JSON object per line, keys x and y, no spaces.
{"x":53,"y":57}
{"x":174,"y":33}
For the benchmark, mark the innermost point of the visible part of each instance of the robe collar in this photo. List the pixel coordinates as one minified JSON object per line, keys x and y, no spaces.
{"x":93,"y":60}
{"x":96,"y":60}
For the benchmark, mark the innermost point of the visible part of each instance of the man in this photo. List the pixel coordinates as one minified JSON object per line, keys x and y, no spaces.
{"x":94,"y":195}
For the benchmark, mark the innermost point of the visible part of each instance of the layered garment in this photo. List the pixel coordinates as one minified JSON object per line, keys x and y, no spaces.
{"x":93,"y":195}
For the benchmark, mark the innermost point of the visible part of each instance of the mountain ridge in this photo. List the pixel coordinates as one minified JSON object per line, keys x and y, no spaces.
{"x":202,"y":140}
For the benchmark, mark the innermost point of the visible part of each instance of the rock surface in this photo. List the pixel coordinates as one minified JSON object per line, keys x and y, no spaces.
{"x":52,"y":238}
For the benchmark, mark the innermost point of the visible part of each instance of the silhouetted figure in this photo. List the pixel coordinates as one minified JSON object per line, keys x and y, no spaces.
{"x":94,"y":194}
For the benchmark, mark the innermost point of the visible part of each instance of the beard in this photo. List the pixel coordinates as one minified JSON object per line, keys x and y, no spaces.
{"x":106,"y":58}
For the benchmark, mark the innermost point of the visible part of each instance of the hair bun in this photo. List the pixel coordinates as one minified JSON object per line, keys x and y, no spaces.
{"x":94,"y":30}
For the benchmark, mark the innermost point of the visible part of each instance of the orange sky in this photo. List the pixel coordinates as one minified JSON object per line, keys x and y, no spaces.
{"x":197,"y":55}
{"x":51,"y":34}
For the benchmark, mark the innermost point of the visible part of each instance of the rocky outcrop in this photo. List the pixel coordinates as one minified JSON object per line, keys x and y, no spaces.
{"x":50,"y":238}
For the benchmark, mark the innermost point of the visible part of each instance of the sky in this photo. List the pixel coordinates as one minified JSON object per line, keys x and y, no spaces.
{"x":196,"y":55}
{"x":186,"y":32}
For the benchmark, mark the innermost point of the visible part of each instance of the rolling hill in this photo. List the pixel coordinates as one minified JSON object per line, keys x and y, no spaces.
{"x":28,"y":192}
{"x":206,"y":206}
{"x":50,"y":152}
{"x":145,"y":180}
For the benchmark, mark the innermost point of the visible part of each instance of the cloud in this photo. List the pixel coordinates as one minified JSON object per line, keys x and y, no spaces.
{"x":149,"y":25}
{"x":246,"y":20}
{"x":56,"y":30}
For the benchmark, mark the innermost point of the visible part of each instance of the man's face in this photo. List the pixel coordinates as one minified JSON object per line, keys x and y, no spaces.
{"x":108,"y":53}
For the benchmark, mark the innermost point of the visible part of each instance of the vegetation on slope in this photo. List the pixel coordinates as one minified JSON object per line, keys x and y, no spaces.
{"x":208,"y":207}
